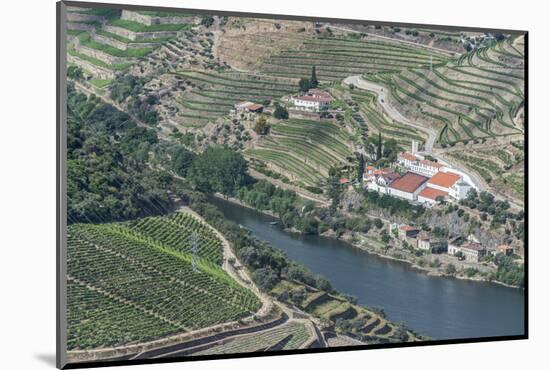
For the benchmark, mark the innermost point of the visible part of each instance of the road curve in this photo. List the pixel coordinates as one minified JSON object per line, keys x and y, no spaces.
{"x":390,"y":110}
{"x":395,"y":115}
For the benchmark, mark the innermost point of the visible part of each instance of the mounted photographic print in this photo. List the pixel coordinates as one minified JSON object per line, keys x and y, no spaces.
{"x":236,"y":184}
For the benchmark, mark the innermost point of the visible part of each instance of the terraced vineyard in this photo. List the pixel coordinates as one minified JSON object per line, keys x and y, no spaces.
{"x":502,"y":167}
{"x":176,"y":232}
{"x":364,"y":324}
{"x":362,"y":113}
{"x":214,"y":94}
{"x":303,"y":150}
{"x":104,"y":42}
{"x":290,"y":336}
{"x":338,"y":57}
{"x":477,"y":96}
{"x":134,"y":282}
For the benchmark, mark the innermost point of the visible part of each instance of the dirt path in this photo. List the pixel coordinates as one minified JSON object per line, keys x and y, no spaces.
{"x":236,"y":271}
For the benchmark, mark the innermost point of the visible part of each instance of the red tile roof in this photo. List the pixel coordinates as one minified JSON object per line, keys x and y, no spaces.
{"x":343,"y":181}
{"x":408,"y":156}
{"x":431,"y":193}
{"x":409,"y":182}
{"x":473,"y":246}
{"x":319,"y":99}
{"x":389,"y":177}
{"x":444,"y":179}
{"x":407,"y":228}
{"x":254,"y":107}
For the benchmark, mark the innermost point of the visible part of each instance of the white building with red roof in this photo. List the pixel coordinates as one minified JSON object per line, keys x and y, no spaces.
{"x":379,"y":179}
{"x":446,"y":184}
{"x":408,"y":186}
{"x":418,"y":165}
{"x":315,"y":101}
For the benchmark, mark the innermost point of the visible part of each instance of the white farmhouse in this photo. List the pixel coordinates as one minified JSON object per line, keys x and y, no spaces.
{"x":315,"y":101}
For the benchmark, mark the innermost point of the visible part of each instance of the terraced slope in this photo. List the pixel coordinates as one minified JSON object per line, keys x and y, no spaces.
{"x":362,"y":113}
{"x":104,"y":42}
{"x":303,"y":150}
{"x":213,"y":94}
{"x":290,"y":336}
{"x":338,"y":57}
{"x":476,"y":97}
{"x":349,"y":319}
{"x":139,"y":275}
{"x":500,"y":166}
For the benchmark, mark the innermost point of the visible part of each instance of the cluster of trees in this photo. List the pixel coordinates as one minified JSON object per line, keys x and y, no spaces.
{"x":207,"y":20}
{"x":261,"y":127}
{"x":268,"y":265}
{"x":309,"y":83}
{"x":508,"y":271}
{"x":75,"y":73}
{"x":395,"y":206}
{"x":108,"y":177}
{"x":218,"y":169}
{"x":383,"y":151}
{"x":280,"y":112}
{"x":485,"y":202}
{"x":129,"y":89}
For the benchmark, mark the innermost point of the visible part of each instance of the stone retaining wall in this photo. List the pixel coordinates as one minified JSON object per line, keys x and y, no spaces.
{"x":109,"y":41}
{"x":138,"y":35}
{"x":101,"y":55}
{"x":80,"y":26}
{"x":80,"y":17}
{"x":150,"y":20}
{"x":135,"y":17}
{"x":97,"y":71}
{"x":120,"y":31}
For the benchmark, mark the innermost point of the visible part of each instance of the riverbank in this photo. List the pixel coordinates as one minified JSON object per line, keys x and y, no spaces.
{"x":367,"y":245}
{"x":465,"y":309}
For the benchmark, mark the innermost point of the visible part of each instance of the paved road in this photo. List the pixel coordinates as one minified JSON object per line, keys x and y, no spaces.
{"x":390,"y":110}
{"x":395,"y":115}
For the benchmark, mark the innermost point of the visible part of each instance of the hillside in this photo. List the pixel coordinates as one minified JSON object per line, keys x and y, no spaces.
{"x":146,"y":279}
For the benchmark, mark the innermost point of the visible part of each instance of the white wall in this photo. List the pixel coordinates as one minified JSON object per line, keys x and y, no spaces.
{"x":28,"y":190}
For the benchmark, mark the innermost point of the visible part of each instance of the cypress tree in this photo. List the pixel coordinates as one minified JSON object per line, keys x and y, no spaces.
{"x":379,"y":147}
{"x":360,"y":168}
{"x":313,"y":82}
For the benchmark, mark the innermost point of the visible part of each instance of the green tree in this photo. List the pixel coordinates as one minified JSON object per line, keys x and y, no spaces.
{"x":450,"y":269}
{"x":261,"y":127}
{"x":379,"y":147}
{"x":360,"y":167}
{"x":218,"y":169}
{"x":304,"y":84}
{"x":280,"y":112}
{"x":313,"y":82}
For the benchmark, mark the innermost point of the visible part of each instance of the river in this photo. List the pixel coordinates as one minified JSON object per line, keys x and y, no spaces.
{"x":442,"y":308}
